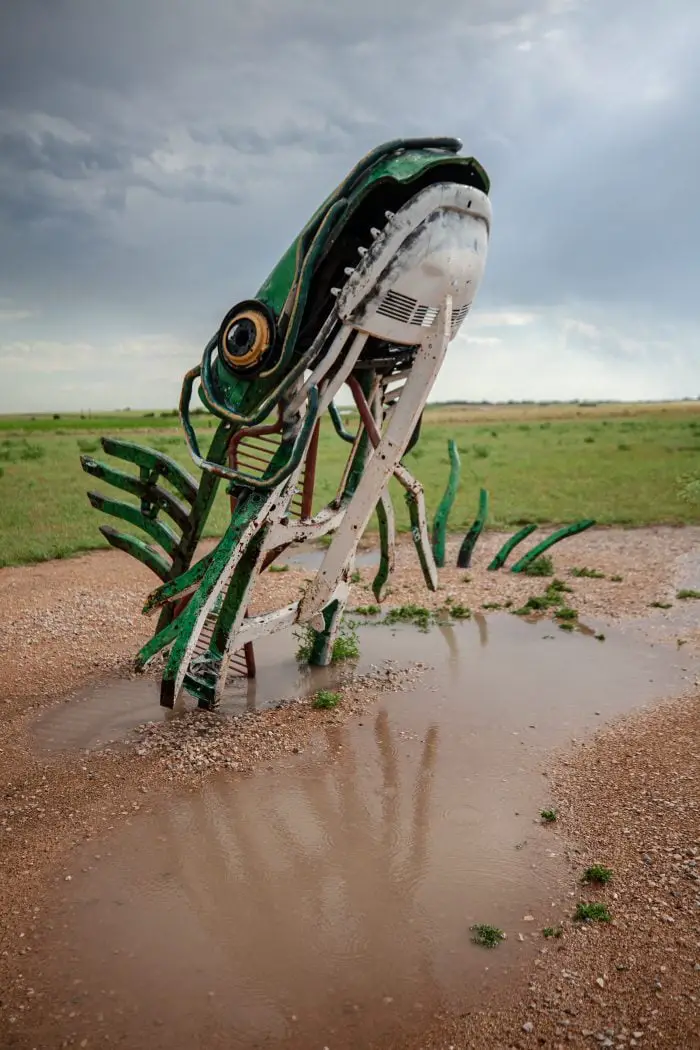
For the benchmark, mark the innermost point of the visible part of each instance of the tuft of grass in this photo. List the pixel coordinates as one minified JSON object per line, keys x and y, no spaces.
{"x":345,"y":647}
{"x":542,"y":566}
{"x":548,"y":816}
{"x":326,"y":699}
{"x":565,"y":613}
{"x":587,"y":574}
{"x":491,"y":605}
{"x":460,"y":612}
{"x":557,"y":586}
{"x":567,"y":626}
{"x":552,"y":931}
{"x":367,"y":610}
{"x":487,"y":936}
{"x":617,"y":579}
{"x":356,"y":576}
{"x":684,"y":594}
{"x":278,"y":568}
{"x":660,"y":605}
{"x":592,"y":911}
{"x":597,"y":873}
{"x":417,"y":615}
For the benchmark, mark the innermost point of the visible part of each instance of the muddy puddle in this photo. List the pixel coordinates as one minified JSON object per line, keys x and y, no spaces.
{"x":327,"y":901}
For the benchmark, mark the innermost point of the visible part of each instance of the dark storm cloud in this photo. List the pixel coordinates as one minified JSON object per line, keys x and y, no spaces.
{"x":157,"y":156}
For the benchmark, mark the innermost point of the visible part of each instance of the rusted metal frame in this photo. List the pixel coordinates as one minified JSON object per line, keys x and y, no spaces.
{"x":307,"y":492}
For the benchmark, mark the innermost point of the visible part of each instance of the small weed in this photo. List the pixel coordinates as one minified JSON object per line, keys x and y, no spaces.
{"x":567,"y":626}
{"x":624,"y":447}
{"x":552,"y":931}
{"x":325,"y":699}
{"x":347,"y":644}
{"x":684,"y":594}
{"x":367,"y":610}
{"x":542,"y":566}
{"x":487,"y":936}
{"x":85,"y":445}
{"x":589,"y":440}
{"x":599,"y":637}
{"x":587,"y":574}
{"x":481,"y":451}
{"x":415,"y":614}
{"x":565,"y":613}
{"x":557,"y":586}
{"x":460,"y":612}
{"x":660,"y":605}
{"x":278,"y":568}
{"x":325,"y":541}
{"x":356,"y":577}
{"x":491,"y":605}
{"x":548,"y":816}
{"x":617,"y":579}
{"x":592,"y":911}
{"x":680,"y":642}
{"x":597,"y":873}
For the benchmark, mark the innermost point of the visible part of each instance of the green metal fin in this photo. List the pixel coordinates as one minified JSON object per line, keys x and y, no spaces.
{"x":150,"y":494}
{"x":560,"y":534}
{"x":445,"y":506}
{"x":157,"y":530}
{"x":152,"y":460}
{"x":143,"y":552}
{"x":502,"y":555}
{"x":467,"y":549}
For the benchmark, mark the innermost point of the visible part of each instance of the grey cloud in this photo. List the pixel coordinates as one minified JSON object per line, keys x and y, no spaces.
{"x":157,"y":159}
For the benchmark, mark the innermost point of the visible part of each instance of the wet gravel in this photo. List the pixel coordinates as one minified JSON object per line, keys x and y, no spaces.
{"x":628,"y":798}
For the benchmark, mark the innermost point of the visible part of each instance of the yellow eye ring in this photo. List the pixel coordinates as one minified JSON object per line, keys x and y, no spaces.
{"x":245,"y":338}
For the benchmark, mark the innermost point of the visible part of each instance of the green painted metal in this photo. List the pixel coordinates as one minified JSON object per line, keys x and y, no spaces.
{"x":560,"y":534}
{"x":510,"y":544}
{"x":445,"y":506}
{"x":143,"y":552}
{"x":159,"y":531}
{"x":154,"y":462}
{"x":464,"y":556}
{"x":417,"y":536}
{"x":338,"y":424}
{"x":381,"y":579}
{"x":153,"y":497}
{"x":322,"y":641}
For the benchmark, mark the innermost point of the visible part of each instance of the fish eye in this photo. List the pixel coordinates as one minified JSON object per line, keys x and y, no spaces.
{"x":245,"y":337}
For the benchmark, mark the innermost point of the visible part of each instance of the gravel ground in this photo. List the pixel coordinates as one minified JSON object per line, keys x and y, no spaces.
{"x":64,"y":624}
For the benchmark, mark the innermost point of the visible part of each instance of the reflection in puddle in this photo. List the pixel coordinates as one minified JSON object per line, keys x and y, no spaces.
{"x":327,"y":900}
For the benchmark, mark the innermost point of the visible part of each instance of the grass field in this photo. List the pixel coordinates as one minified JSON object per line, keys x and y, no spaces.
{"x":549,"y":464}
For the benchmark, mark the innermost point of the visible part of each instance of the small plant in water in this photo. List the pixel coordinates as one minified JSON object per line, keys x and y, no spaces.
{"x":460,"y":612}
{"x":415,"y":614}
{"x":367,"y":610}
{"x":600,"y":637}
{"x":491,"y":605}
{"x":597,"y":873}
{"x":588,"y":574}
{"x":542,"y":566}
{"x":347,"y":644}
{"x":660,"y":605}
{"x":684,"y":594}
{"x":548,"y":816}
{"x":487,"y":936}
{"x":592,"y":911}
{"x":356,"y":576}
{"x":565,"y":613}
{"x":552,"y":931}
{"x":278,"y":568}
{"x":326,"y":699}
{"x":567,"y":625}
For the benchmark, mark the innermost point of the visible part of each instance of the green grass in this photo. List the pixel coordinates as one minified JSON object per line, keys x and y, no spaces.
{"x":597,"y":873}
{"x":588,"y":574}
{"x":325,"y":699}
{"x":684,"y":595}
{"x":542,"y":566}
{"x":487,"y":936}
{"x":552,"y":931}
{"x":548,"y":816}
{"x":547,"y":473}
{"x":345,"y":647}
{"x":592,"y":911}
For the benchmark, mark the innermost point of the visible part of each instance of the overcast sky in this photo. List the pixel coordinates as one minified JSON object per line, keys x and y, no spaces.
{"x":158,"y":156}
